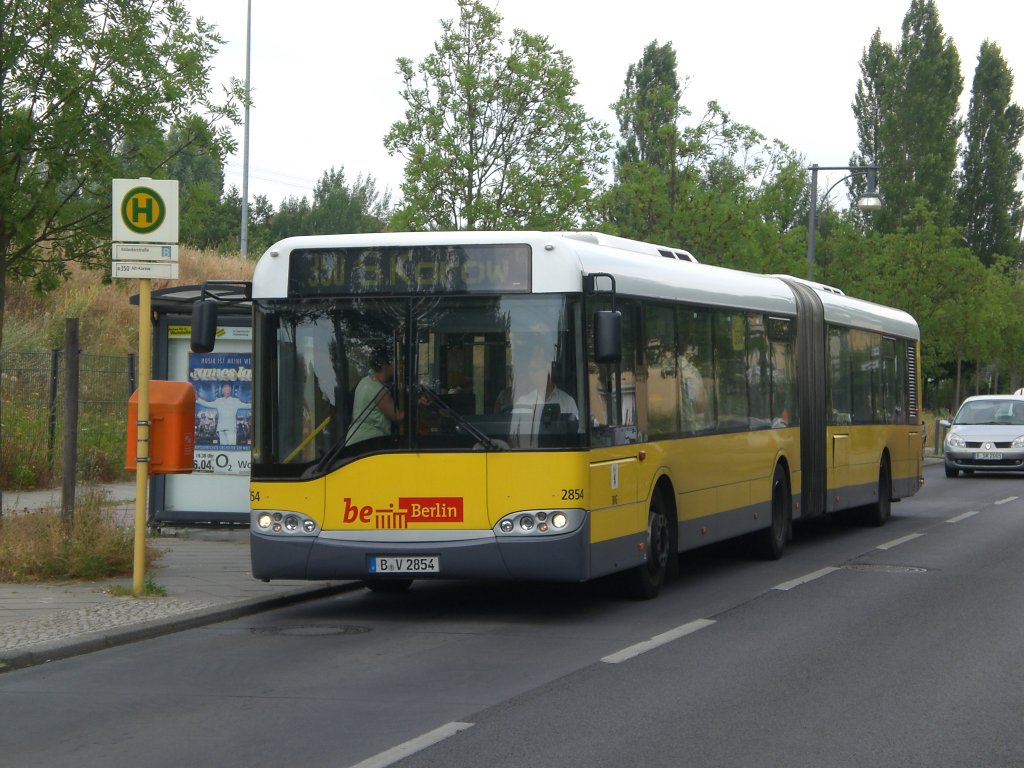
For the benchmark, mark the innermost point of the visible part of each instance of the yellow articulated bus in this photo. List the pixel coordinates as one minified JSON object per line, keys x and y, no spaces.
{"x":556,"y":406}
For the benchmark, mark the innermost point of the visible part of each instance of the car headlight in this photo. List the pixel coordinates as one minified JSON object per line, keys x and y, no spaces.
{"x":1019,"y":442}
{"x":955,"y":441}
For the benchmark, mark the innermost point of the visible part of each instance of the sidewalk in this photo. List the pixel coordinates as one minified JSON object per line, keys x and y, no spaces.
{"x":205,"y":572}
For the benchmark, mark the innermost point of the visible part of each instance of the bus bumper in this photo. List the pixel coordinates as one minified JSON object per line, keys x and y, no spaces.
{"x":548,"y":558}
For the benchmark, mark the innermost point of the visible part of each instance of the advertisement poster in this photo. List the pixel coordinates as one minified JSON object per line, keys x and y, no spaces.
{"x":223,"y":429}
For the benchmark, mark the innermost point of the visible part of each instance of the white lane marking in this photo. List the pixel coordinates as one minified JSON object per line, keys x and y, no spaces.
{"x":964,"y":516}
{"x":788,"y":585}
{"x":897,"y":542}
{"x":654,"y":642}
{"x":1007,"y":500}
{"x":412,"y":746}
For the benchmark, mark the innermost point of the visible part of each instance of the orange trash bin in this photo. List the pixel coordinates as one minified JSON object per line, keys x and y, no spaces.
{"x":172,"y":416}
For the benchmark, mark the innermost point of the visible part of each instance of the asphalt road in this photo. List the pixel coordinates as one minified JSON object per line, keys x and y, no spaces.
{"x":899,"y":646}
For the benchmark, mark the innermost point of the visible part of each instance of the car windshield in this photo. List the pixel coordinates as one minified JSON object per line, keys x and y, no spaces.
{"x":992,"y":411}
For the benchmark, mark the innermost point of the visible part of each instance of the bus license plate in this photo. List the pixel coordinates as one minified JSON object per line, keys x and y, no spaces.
{"x":988,"y":456}
{"x":405,"y":564}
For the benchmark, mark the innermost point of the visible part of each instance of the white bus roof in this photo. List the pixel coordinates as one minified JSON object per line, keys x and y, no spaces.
{"x":561,"y":259}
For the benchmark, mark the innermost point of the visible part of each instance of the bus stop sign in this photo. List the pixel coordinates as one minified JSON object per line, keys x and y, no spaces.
{"x":145,"y":211}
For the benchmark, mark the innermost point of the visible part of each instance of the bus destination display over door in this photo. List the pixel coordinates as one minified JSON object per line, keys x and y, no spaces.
{"x":503,"y":268}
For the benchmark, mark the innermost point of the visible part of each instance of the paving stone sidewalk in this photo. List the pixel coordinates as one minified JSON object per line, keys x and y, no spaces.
{"x":204,"y":571}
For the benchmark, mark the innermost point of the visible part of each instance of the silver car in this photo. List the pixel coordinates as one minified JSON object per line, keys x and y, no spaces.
{"x":986,"y":435}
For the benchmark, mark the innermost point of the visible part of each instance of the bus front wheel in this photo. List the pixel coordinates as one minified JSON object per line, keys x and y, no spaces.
{"x":645,"y":581}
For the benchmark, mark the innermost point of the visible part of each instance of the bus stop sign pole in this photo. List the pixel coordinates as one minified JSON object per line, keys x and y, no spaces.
{"x":145,"y":246}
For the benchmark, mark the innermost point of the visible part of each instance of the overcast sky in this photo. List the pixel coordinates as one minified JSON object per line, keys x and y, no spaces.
{"x":326,"y":90}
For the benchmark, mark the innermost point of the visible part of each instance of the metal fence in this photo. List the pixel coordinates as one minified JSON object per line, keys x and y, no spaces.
{"x":32,"y":388}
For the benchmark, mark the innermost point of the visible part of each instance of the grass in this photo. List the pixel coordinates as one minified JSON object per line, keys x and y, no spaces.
{"x":108,"y":322}
{"x":149,"y":589}
{"x":35,"y":548}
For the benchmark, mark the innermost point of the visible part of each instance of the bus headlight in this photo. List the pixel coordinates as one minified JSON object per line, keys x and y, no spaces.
{"x":283,"y":523}
{"x":540,"y":522}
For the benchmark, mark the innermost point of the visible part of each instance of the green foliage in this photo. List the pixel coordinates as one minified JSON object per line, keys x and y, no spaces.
{"x":86,"y":92}
{"x":149,"y":589}
{"x":26,"y":461}
{"x":493,"y":140}
{"x":715,"y":187}
{"x":30,"y":463}
{"x":337,"y":208}
{"x":989,"y":208}
{"x":906,"y":110}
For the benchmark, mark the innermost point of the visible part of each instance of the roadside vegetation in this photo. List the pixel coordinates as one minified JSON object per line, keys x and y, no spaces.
{"x":108,"y":325}
{"x":34,"y":545}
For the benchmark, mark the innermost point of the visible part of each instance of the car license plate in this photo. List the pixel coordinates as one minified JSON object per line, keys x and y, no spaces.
{"x":988,"y":456}
{"x":382,"y":564}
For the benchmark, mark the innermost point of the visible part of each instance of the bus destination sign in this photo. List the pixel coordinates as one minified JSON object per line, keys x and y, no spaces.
{"x":501,"y":268}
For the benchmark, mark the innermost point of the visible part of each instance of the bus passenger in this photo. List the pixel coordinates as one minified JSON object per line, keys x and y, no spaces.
{"x":373,"y":408}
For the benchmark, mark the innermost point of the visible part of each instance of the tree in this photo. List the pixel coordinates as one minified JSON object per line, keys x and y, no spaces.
{"x":194,"y":159}
{"x":649,"y":110}
{"x":641,"y":202}
{"x":492,"y":138}
{"x":340,"y":208}
{"x":906,"y":110}
{"x":989,"y":210}
{"x":715,"y":187}
{"x":79,"y":83}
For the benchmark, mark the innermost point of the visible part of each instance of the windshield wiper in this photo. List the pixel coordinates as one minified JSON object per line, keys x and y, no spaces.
{"x":460,"y":420}
{"x":339,"y":445}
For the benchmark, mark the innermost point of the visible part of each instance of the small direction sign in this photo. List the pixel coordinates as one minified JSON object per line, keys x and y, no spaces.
{"x":146,"y":270}
{"x":145,"y":252}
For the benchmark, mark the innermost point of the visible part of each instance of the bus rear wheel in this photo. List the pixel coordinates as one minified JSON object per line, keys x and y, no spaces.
{"x":645,"y":581}
{"x":878,"y":514}
{"x":770,"y":542}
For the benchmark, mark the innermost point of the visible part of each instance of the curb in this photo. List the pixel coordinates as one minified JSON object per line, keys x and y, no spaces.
{"x":57,"y":650}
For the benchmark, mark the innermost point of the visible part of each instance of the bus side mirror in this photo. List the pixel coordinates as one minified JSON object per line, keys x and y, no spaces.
{"x":608,"y":336}
{"x":204,"y":325}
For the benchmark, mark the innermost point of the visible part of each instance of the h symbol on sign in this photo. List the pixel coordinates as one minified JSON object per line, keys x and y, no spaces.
{"x":139,"y":209}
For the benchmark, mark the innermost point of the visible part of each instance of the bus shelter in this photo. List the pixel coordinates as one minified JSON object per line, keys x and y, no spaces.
{"x":217,"y":491}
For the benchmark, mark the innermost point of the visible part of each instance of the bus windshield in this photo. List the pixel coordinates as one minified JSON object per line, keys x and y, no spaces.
{"x":347,"y":377}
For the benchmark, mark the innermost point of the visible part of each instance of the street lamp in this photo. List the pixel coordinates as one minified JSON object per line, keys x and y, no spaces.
{"x":869,"y":201}
{"x":244,"y":239}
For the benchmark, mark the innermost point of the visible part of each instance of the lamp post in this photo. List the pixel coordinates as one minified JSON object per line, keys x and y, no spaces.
{"x":869,"y":201}
{"x":244,"y":239}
